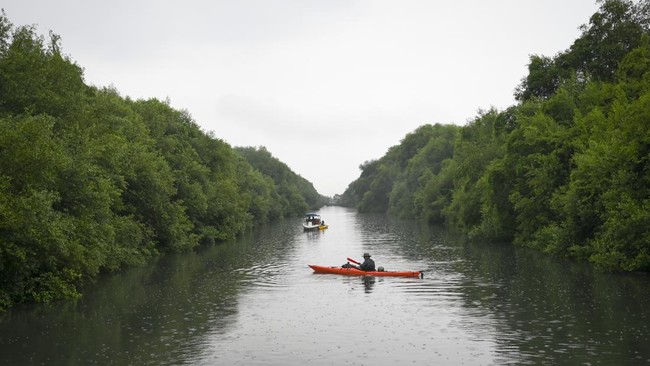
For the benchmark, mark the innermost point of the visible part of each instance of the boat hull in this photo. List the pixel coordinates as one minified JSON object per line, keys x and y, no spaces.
{"x":309,"y":227}
{"x":358,"y":272}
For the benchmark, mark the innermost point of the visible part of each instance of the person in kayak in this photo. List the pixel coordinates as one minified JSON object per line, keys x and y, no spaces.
{"x":368,"y":264}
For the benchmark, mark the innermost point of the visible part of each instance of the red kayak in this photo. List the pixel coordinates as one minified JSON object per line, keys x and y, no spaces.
{"x":358,"y":272}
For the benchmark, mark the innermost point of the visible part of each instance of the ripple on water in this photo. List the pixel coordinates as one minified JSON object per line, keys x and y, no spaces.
{"x":267,"y":276}
{"x":429,"y":292}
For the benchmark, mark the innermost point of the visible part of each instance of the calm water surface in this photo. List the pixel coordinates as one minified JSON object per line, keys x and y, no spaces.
{"x":255,"y":302}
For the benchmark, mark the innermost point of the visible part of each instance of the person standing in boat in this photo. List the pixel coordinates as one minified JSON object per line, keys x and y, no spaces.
{"x":368,"y":264}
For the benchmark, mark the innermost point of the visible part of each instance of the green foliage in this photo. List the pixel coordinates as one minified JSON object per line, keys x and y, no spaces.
{"x":92,"y":182}
{"x":434,"y":193}
{"x":433,"y":145}
{"x":621,"y":245}
{"x":480,"y":143}
{"x":36,"y":78}
{"x":538,"y":154}
{"x":394,"y":182}
{"x":614,"y":31}
{"x":543,"y":79}
{"x":566,"y":171}
{"x":293,"y":194}
{"x":355,"y":191}
{"x":605,"y":203}
{"x":634,"y":70}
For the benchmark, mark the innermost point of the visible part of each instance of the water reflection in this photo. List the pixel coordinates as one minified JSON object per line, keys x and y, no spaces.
{"x":534,"y":308}
{"x":368,"y":283}
{"x":314,"y":234}
{"x":255,"y":301}
{"x":144,"y":316}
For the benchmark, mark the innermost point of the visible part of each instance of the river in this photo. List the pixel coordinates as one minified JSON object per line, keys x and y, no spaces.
{"x":254,"y":301}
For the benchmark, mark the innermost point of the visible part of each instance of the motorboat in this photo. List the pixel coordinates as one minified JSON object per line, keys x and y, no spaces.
{"x":312,"y":221}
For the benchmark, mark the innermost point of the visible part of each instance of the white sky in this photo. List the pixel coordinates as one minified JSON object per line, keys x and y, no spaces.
{"x":325,"y":85}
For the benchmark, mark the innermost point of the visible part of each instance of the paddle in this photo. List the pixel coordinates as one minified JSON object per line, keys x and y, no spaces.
{"x":353,"y":261}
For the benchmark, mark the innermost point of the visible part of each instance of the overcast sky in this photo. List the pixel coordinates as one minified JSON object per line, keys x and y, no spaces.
{"x":324,"y":85}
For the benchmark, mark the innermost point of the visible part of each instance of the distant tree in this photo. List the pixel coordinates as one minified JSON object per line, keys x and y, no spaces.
{"x":435,"y":145}
{"x":612,"y":32}
{"x":293,"y":193}
{"x":55,"y":84}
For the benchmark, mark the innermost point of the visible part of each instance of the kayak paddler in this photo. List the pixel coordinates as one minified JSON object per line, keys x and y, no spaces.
{"x":368,"y":264}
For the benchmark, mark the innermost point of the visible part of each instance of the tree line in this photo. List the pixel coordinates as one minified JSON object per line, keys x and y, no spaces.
{"x":91,"y":182}
{"x":566,"y":170}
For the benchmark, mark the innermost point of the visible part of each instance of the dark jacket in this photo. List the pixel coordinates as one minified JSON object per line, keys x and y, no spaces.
{"x":367,"y":265}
